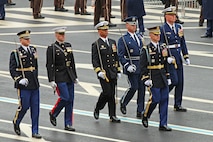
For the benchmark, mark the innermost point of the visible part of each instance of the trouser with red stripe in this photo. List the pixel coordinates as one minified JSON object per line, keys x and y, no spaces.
{"x":66,"y":99}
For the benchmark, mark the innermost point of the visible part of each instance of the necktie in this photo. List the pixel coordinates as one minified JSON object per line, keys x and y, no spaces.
{"x":28,"y":50}
{"x":136,"y":39}
{"x":158,"y":48}
{"x":107,"y":42}
{"x":173,"y":29}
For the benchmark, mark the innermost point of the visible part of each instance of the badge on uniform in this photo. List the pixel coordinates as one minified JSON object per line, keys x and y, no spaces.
{"x":114,"y":49}
{"x":102,"y":47}
{"x":131,"y":50}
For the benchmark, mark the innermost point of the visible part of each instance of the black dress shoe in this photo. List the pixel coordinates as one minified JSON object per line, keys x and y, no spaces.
{"x":206,"y":36}
{"x":37,"y":136}
{"x":85,"y":13}
{"x":165,"y":128}
{"x":77,"y":13}
{"x":138,"y":115}
{"x":112,"y":25}
{"x":69,"y":128}
{"x":112,"y":16}
{"x":12,"y":3}
{"x":200,"y":24}
{"x":3,"y":18}
{"x":122,"y":108}
{"x":145,"y":121}
{"x":114,"y":119}
{"x":17,"y":129}
{"x":180,"y":108}
{"x":61,"y":9}
{"x":52,"y":119}
{"x":96,"y":114}
{"x":179,"y":21}
{"x":39,"y":17}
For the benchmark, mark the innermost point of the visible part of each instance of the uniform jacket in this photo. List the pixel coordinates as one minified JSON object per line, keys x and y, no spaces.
{"x":62,"y":69}
{"x":135,"y":8}
{"x":157,"y":61}
{"x":30,"y":67}
{"x":207,"y":9}
{"x":175,"y":39}
{"x":109,"y":58}
{"x":134,"y":51}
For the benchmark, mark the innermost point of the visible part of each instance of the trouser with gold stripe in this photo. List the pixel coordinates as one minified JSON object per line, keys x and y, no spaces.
{"x":28,"y":99}
{"x":158,"y":96}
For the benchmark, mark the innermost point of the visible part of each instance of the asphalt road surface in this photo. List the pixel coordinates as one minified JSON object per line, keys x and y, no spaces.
{"x":196,"y":125}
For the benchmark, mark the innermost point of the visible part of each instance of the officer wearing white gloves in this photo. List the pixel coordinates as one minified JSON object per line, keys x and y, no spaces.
{"x":173,"y":34}
{"x":24,"y":71}
{"x":155,"y":74}
{"x":106,"y":65}
{"x":62,"y":76}
{"x":129,"y":47}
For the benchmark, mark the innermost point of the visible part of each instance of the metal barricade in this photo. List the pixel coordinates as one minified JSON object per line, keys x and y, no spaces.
{"x":182,"y":5}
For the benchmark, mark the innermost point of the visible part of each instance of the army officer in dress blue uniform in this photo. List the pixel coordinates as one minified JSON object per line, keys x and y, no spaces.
{"x":24,"y":71}
{"x":62,"y":76}
{"x":106,"y":65}
{"x":129,"y":48}
{"x":177,"y":45}
{"x":155,"y":75}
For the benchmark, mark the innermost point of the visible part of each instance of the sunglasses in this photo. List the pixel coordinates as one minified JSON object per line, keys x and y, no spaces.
{"x":61,"y":33}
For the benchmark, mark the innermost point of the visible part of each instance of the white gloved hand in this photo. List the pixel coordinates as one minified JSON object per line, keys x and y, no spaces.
{"x":102,"y":75}
{"x":53,"y":84}
{"x":76,"y":81}
{"x":187,"y":61}
{"x":148,"y":82}
{"x":170,"y":60}
{"x":118,"y":75}
{"x":24,"y":81}
{"x":131,"y":68}
{"x":169,"y":81}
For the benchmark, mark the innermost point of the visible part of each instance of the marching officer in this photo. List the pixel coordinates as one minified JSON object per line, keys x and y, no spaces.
{"x":155,"y":75}
{"x":172,"y":35}
{"x":36,"y":5}
{"x":62,"y":77}
{"x":105,"y":6}
{"x":106,"y":65}
{"x":24,"y":71}
{"x":59,"y":6}
{"x":129,"y":48}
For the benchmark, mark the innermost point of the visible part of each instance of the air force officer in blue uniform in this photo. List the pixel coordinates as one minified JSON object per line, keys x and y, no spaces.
{"x":129,"y":47}
{"x":24,"y":71}
{"x":177,"y":47}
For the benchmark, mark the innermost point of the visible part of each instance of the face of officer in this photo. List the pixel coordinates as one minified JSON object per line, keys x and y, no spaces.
{"x":103,"y":33}
{"x":131,"y":28}
{"x":25,"y":41}
{"x":170,"y":18}
{"x":154,"y":37}
{"x":60,"y":36}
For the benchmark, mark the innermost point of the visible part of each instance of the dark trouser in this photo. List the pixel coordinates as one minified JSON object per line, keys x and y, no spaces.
{"x":177,"y":83}
{"x":100,"y":5}
{"x":158,"y":96}
{"x":28,"y":99}
{"x":136,"y":84}
{"x":66,"y":99}
{"x":209,"y":28}
{"x":2,"y":11}
{"x":59,"y":3}
{"x":36,"y":5}
{"x":80,"y":4}
{"x":107,"y":96}
{"x":123,"y":10}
